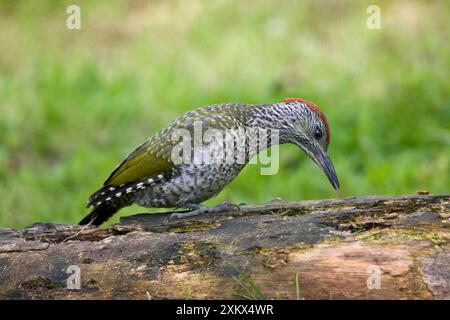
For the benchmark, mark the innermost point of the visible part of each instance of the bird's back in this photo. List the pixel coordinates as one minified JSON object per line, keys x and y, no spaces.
{"x":151,"y":166}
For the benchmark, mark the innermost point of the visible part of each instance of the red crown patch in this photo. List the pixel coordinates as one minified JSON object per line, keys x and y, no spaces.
{"x":315,"y":109}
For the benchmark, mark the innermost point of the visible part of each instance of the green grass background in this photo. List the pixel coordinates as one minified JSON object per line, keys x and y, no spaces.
{"x":73,"y":103}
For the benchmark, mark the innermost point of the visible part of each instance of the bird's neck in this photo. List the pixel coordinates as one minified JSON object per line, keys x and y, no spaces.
{"x":270,"y":117}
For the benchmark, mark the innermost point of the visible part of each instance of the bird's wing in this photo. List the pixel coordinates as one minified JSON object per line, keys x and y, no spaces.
{"x":149,"y":159}
{"x":154,"y":156}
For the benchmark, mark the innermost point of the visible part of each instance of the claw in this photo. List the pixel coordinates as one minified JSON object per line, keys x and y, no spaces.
{"x":178,"y":215}
{"x":226,"y":206}
{"x":200,"y":209}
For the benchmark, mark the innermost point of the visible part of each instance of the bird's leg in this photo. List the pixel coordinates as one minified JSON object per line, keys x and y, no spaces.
{"x":224,"y":206}
{"x":196,"y":210}
{"x":200,"y":209}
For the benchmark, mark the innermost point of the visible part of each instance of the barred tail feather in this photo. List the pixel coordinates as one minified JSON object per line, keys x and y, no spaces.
{"x":100,"y":214}
{"x":109,"y":199}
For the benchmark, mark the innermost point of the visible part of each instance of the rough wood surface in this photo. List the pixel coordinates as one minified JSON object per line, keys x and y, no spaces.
{"x":333,"y":249}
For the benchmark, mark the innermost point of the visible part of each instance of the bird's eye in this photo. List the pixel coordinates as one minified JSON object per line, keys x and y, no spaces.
{"x":318,"y":133}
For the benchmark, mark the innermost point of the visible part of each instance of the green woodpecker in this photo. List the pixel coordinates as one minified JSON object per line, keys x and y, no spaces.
{"x":169,"y":170}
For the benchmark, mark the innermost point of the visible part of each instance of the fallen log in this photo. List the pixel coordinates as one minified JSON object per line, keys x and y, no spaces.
{"x":352,"y":248}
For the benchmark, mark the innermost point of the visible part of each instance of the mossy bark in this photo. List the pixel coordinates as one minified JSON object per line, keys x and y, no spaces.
{"x":353,"y":248}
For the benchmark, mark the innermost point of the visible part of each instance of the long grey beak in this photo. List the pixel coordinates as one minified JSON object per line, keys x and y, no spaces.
{"x":321,"y":158}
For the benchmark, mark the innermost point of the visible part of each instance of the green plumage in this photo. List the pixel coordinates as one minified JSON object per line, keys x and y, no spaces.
{"x":153,"y":156}
{"x":151,"y":177}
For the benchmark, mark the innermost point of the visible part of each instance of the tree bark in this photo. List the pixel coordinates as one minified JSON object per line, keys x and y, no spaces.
{"x":352,"y":248}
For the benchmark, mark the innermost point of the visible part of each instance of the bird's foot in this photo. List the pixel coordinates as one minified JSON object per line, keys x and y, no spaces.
{"x":276,"y":200}
{"x":178,"y":215}
{"x":196,"y":210}
{"x":200,"y":209}
{"x":224,"y":206}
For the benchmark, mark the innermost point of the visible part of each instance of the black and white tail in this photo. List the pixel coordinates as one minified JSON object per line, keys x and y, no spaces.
{"x":109,"y":199}
{"x":101,"y":213}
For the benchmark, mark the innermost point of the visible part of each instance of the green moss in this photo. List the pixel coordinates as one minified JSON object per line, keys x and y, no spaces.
{"x":199,"y":256}
{"x":195,"y":226}
{"x":394,"y":235}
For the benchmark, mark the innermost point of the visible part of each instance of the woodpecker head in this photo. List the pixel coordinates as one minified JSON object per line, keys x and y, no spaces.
{"x":307,"y":127}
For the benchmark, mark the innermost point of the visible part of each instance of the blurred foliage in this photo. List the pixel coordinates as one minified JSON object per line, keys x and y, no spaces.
{"x":73,"y":103}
